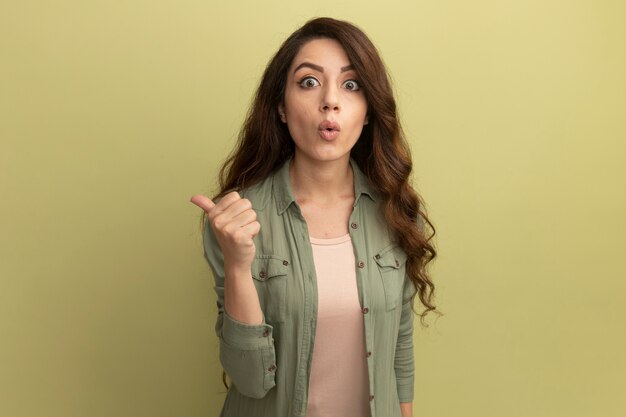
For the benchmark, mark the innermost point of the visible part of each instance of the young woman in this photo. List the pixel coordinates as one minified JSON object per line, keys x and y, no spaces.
{"x":317,"y":242}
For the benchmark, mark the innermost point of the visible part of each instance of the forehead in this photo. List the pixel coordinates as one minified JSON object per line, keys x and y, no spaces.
{"x":325,"y":52}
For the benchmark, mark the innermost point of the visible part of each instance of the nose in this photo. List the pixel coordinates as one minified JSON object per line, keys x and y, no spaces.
{"x":330,"y":99}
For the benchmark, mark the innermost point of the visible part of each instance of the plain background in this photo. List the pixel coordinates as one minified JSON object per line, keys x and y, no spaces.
{"x":113,"y":113}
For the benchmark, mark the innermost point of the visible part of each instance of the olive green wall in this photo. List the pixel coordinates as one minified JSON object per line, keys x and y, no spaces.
{"x":112,"y":114}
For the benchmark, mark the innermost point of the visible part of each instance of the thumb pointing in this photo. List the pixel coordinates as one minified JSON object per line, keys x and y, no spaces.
{"x":203,"y":202}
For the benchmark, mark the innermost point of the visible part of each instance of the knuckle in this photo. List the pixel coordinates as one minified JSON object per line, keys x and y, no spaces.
{"x":246,"y":203}
{"x":218,"y":222}
{"x":241,"y":238}
{"x":227,"y":230}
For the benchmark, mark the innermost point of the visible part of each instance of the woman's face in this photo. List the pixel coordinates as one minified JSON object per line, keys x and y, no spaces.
{"x":322,"y":88}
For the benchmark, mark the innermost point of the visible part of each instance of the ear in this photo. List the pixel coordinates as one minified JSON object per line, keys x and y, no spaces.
{"x":367,"y":120}
{"x":281,"y":113}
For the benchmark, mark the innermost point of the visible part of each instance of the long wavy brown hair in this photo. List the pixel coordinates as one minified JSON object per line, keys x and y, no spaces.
{"x":382,"y":153}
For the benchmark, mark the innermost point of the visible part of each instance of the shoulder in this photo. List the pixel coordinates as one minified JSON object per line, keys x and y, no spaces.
{"x":262,"y":193}
{"x":259,"y":193}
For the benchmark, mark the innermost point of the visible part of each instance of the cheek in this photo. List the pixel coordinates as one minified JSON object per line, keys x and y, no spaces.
{"x":361,"y":104}
{"x":358,"y":115}
{"x":300,"y":112}
{"x":306,"y":112}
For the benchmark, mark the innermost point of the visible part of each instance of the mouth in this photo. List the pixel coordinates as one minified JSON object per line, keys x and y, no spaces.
{"x":329,"y":126}
{"x":328,"y":134}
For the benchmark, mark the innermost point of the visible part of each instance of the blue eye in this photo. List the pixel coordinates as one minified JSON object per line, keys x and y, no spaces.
{"x":352,"y":85}
{"x":308,"y":82}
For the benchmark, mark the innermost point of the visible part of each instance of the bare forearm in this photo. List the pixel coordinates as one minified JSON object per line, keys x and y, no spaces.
{"x":241,"y":300}
{"x":406,"y":409}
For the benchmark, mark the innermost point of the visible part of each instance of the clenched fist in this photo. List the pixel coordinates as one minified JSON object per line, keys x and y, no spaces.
{"x":234,"y":224}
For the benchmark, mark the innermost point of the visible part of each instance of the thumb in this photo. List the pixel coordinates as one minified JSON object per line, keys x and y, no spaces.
{"x":203,"y":202}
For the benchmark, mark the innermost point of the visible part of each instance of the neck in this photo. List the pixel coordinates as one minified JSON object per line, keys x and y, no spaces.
{"x":321,"y":182}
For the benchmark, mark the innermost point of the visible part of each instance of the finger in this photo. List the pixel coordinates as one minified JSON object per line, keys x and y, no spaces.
{"x":252,"y":228}
{"x":236,"y":208}
{"x":228,"y":200}
{"x":241,"y":219}
{"x":203,"y":202}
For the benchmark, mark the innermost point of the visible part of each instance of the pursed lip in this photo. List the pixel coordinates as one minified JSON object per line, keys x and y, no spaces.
{"x":329,"y":125}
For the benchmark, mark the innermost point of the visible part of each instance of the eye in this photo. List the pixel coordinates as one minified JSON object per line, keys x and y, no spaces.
{"x":352,"y":85}
{"x":308,"y":82}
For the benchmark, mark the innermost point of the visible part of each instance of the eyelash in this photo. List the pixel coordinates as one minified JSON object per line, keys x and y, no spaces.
{"x":313,"y":78}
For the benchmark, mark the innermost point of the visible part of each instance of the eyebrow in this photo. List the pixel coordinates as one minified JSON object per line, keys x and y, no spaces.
{"x":320,"y":69}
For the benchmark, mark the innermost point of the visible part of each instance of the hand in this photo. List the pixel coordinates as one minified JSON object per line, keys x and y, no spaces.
{"x":234,"y":224}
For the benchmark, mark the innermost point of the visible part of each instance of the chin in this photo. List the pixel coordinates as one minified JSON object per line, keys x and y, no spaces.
{"x":325,"y":156}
